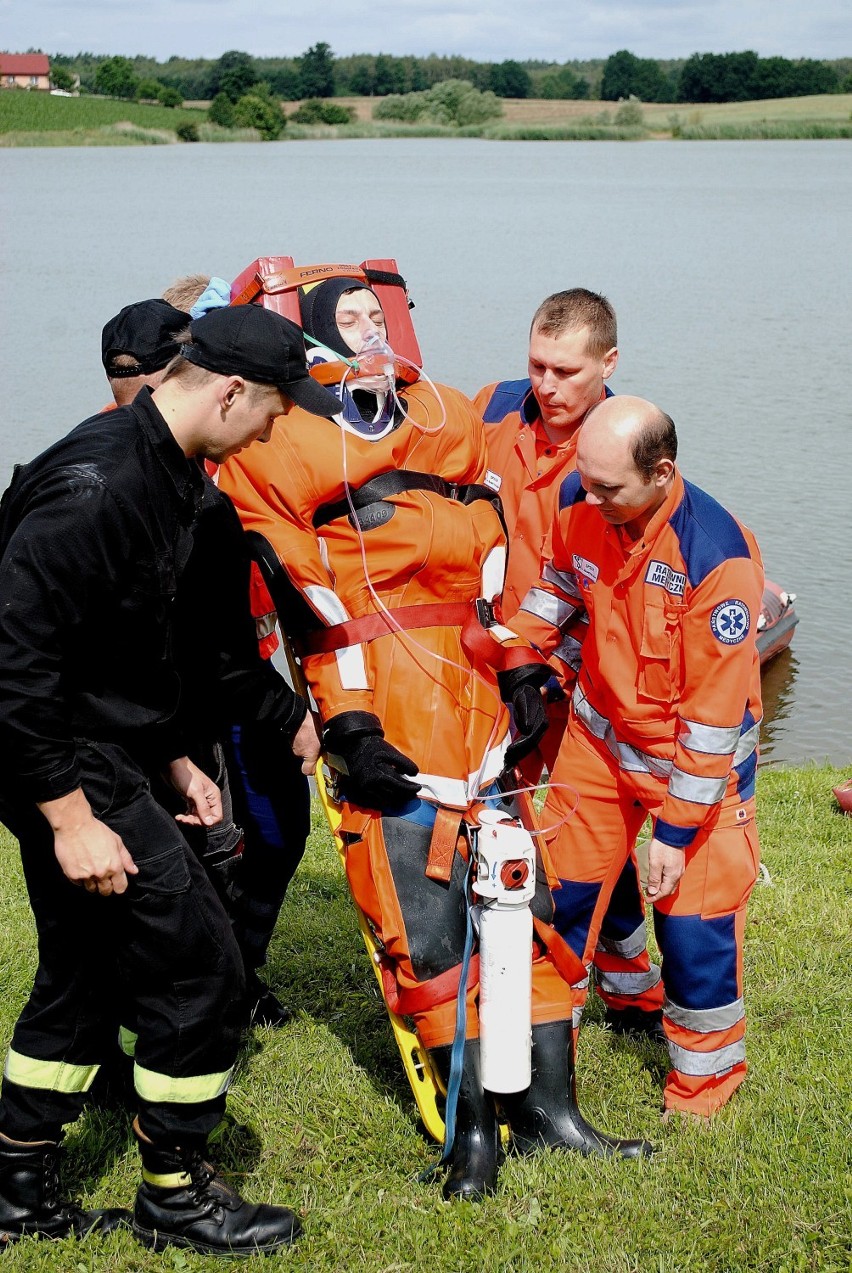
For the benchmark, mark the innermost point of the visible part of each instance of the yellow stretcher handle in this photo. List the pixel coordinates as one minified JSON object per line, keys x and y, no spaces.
{"x":415,"y":1059}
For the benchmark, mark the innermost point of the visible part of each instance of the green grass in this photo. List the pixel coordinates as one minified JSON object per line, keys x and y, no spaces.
{"x":320,"y":1117}
{"x":40,"y":112}
{"x":37,"y":119}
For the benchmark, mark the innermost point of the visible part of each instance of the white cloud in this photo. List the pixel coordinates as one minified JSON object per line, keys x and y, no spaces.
{"x":555,"y":30}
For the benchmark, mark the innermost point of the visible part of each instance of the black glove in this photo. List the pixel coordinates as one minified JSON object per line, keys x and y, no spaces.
{"x":520,"y":688}
{"x":375,"y":771}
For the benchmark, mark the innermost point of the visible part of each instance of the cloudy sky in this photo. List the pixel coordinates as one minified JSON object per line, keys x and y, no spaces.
{"x":485,"y":30}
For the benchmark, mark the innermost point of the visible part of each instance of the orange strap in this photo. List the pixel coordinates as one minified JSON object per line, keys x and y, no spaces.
{"x":442,"y":846}
{"x":567,"y":964}
{"x":371,"y":626}
{"x":441,"y":989}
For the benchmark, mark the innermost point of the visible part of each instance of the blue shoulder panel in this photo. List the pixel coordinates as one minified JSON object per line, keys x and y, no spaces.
{"x":571,"y":491}
{"x":507,"y":397}
{"x":707,"y":533}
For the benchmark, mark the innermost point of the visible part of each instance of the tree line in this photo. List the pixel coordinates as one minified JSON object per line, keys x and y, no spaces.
{"x":318,"y":73}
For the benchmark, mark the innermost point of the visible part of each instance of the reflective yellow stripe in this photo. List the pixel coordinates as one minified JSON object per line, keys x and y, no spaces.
{"x":152,"y":1086}
{"x":127,"y":1040}
{"x":174,"y":1180}
{"x":49,"y":1076}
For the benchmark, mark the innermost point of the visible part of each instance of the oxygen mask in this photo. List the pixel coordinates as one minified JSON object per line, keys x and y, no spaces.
{"x":374,"y":364}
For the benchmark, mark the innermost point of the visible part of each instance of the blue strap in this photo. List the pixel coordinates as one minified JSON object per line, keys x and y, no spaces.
{"x":457,"y":1049}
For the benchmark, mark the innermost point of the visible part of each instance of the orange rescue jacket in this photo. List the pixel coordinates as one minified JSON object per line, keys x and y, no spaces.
{"x":662,"y":633}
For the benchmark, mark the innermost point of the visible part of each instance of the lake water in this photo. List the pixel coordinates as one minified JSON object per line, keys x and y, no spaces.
{"x":727,"y":263}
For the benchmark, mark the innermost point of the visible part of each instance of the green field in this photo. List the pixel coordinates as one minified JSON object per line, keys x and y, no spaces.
{"x":40,"y":118}
{"x":319,"y":1116}
{"x":37,"y":119}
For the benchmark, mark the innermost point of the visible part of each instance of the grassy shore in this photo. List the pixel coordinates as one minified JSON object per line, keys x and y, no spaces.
{"x":37,"y":119}
{"x":320,"y":1117}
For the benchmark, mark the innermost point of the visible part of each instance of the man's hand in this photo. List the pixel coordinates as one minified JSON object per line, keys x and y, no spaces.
{"x":203,"y":798}
{"x":307,"y":743}
{"x":88,"y":851}
{"x":665,"y":867}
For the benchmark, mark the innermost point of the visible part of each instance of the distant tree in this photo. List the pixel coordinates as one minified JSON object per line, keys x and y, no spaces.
{"x":285,"y":82}
{"x":61,"y":78}
{"x":718,"y":77}
{"x":171,"y":97}
{"x":814,"y":77}
{"x":626,"y":75}
{"x":362,"y":78}
{"x":148,"y":90}
{"x":116,"y":78}
{"x":564,"y":84}
{"x":509,"y":79}
{"x":388,"y":75}
{"x":260,"y":112}
{"x":316,"y":71}
{"x":235,"y":74}
{"x":221,"y":111}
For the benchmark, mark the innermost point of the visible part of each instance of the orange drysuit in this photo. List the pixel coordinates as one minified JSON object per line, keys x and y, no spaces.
{"x":526,"y":469}
{"x":665,"y":716}
{"x":426,"y":555}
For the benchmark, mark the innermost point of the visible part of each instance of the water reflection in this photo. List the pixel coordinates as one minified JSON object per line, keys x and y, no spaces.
{"x":778,"y":680}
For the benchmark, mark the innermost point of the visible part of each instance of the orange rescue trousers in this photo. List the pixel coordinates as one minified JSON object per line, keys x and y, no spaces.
{"x":699,"y":928}
{"x":421,"y":922}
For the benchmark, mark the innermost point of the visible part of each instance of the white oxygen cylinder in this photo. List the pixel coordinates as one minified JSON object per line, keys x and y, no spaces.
{"x":505,"y":886}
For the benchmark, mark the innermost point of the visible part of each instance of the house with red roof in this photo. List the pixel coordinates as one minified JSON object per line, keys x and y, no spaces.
{"x":24,"y":70}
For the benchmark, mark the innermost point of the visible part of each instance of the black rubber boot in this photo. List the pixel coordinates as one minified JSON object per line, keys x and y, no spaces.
{"x":476,"y":1153}
{"x":546,"y":1114}
{"x":263,"y":1005}
{"x":29,"y":1196}
{"x":636,"y":1023}
{"x":183,"y":1202}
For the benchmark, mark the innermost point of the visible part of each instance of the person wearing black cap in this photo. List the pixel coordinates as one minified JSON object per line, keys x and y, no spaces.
{"x":138,"y":344}
{"x":95,"y":534}
{"x":269,"y":793}
{"x":226,"y":684}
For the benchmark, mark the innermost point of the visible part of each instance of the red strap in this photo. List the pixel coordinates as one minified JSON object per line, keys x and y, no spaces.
{"x":483,"y":649}
{"x":441,"y":989}
{"x":371,"y":626}
{"x":567,"y":964}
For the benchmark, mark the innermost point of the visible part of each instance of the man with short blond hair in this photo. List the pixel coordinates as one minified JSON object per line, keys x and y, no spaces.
{"x":531,"y":428}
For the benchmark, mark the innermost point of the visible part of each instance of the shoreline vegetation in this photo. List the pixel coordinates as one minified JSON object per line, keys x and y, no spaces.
{"x":320,"y":1115}
{"x":41,"y":119}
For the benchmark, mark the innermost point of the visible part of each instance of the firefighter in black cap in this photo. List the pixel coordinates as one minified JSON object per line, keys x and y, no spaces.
{"x":94,"y":536}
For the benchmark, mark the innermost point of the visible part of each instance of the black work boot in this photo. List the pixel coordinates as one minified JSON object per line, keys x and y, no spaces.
{"x":476,"y":1153}
{"x":29,"y":1196}
{"x":546,"y":1114}
{"x":263,"y":1005}
{"x":183,"y":1202}
{"x":636,"y":1023}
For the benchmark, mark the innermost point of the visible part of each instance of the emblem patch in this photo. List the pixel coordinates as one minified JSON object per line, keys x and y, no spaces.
{"x":584,"y":567}
{"x":661,"y":574}
{"x":492,"y":480}
{"x":730,"y":622}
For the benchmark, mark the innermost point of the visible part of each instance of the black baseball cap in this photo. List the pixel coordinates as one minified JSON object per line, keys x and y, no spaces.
{"x":146,"y":331}
{"x":262,"y":346}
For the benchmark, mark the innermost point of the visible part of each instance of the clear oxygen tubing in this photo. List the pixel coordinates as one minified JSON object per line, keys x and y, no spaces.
{"x":379,"y":348}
